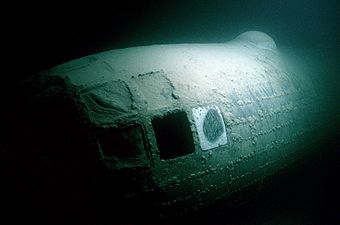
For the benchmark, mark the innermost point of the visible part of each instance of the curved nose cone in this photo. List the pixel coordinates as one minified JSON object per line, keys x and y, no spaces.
{"x":258,"y":39}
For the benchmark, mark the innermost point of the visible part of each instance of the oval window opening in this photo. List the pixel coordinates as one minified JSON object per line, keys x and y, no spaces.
{"x":210,"y":127}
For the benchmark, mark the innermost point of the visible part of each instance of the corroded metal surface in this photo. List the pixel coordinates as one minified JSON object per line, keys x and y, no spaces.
{"x":268,"y":109}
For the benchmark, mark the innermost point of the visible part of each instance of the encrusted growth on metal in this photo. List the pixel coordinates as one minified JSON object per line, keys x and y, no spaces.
{"x":262,"y":101}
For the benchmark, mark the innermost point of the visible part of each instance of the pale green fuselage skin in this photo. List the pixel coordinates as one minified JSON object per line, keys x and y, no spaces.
{"x":262,"y":97}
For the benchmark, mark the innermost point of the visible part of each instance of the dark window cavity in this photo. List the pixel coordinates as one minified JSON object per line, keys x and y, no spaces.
{"x":122,"y":143}
{"x":173,"y":135}
{"x":212,"y":125}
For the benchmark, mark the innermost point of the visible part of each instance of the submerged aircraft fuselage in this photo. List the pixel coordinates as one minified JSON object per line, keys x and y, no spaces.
{"x":193,"y":123}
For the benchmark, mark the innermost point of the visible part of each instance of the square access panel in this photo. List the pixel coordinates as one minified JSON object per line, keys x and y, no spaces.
{"x":210,"y":127}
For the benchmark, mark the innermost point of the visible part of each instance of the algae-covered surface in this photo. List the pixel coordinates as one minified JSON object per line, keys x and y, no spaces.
{"x":179,"y":128}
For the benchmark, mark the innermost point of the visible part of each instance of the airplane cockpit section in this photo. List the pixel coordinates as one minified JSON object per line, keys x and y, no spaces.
{"x":191,"y":124}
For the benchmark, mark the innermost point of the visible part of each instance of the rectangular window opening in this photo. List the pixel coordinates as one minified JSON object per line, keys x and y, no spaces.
{"x":173,"y":135}
{"x":122,"y":143}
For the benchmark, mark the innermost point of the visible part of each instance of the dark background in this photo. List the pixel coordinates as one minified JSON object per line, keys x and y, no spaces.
{"x":39,"y":35}
{"x":42,"y":34}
